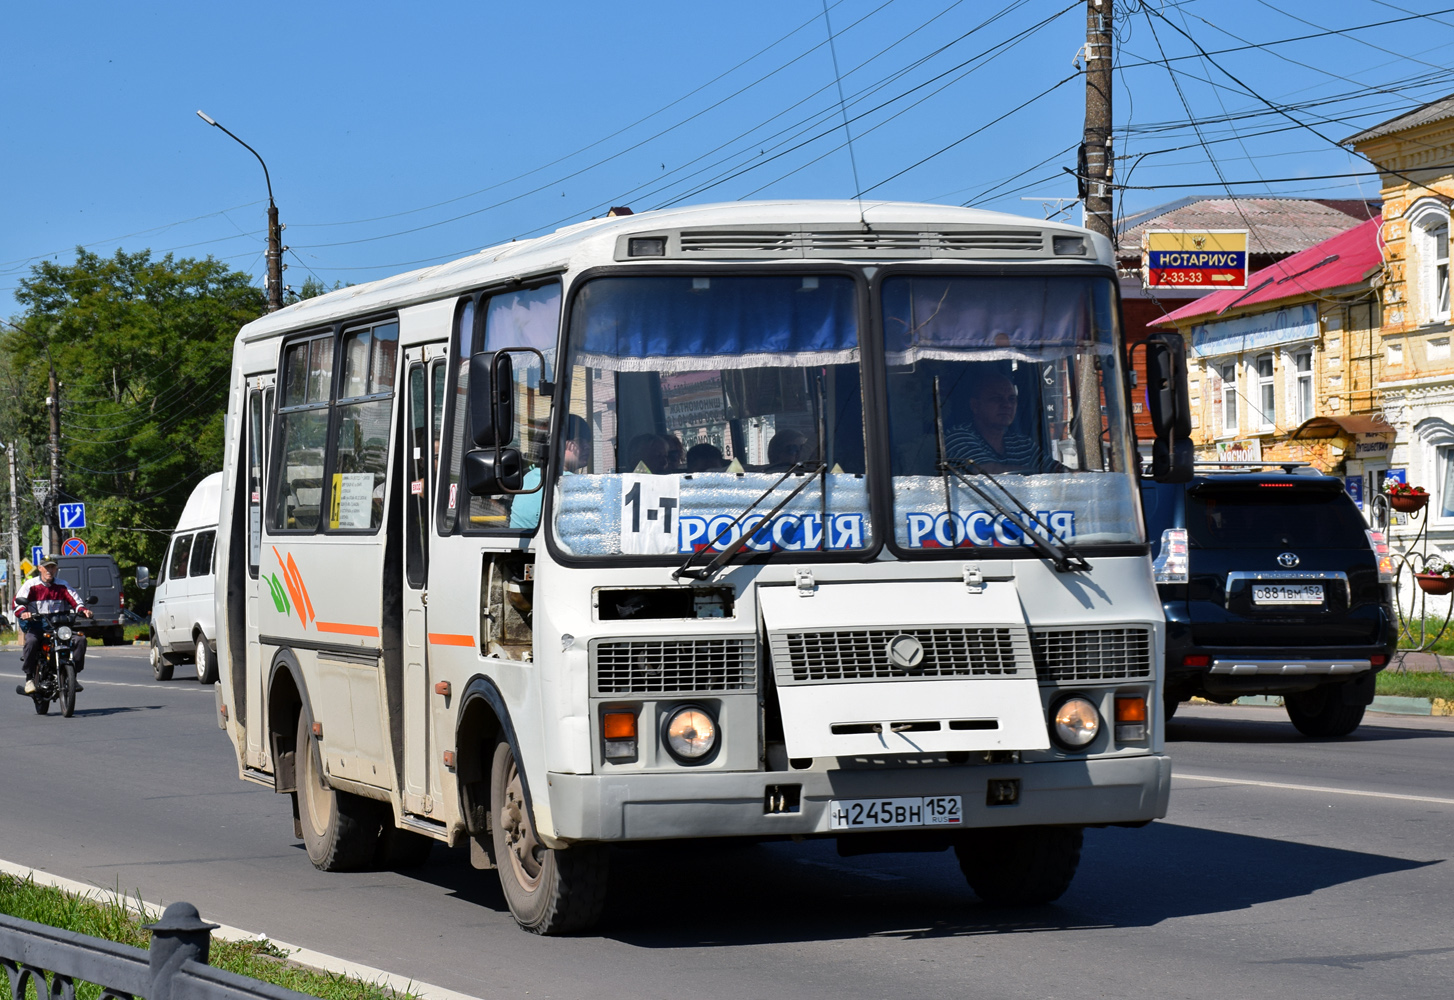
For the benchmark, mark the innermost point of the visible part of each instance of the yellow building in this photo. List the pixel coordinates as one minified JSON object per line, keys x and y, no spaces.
{"x":1415,"y":155}
{"x":1287,"y":368}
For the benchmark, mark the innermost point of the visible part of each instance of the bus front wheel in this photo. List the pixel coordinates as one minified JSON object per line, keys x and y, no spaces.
{"x":340,"y":831}
{"x":549,"y":891}
{"x":1019,"y":865}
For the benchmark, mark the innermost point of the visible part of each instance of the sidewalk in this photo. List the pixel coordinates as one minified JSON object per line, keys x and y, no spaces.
{"x":1423,"y":663}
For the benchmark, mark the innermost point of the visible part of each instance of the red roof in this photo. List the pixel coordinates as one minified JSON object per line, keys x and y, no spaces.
{"x":1343,"y":260}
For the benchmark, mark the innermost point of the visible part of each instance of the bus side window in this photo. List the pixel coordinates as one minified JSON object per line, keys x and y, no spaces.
{"x":302,"y":435}
{"x":417,"y":462}
{"x":462,"y":343}
{"x":361,"y":442}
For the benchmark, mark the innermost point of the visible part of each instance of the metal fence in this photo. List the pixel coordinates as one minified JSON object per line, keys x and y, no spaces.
{"x":53,"y":961}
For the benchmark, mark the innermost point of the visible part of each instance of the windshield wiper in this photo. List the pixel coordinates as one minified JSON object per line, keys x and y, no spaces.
{"x":1062,"y":555}
{"x":706,"y":572}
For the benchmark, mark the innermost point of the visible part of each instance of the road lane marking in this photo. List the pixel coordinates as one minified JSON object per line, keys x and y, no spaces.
{"x":1315,"y":788}
{"x":225,"y":932}
{"x":87,"y":682}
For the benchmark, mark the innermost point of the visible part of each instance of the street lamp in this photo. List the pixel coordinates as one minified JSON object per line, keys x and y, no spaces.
{"x":275,"y":231}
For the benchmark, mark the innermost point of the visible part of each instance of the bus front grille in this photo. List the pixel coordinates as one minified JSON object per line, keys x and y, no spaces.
{"x":674,"y":666}
{"x":1091,"y":654}
{"x":863,"y":655}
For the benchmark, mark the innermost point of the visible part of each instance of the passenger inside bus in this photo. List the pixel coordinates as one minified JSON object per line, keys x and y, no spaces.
{"x":787,"y":448}
{"x":705,"y":458}
{"x":649,"y":453}
{"x":575,"y":458}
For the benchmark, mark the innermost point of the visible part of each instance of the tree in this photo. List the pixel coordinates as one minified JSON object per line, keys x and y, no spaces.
{"x":143,"y":351}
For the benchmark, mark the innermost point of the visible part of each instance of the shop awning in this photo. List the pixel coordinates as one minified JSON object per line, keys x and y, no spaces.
{"x":1327,"y":427}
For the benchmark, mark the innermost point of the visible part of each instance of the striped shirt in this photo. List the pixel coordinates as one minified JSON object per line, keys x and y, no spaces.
{"x":1021,"y":454}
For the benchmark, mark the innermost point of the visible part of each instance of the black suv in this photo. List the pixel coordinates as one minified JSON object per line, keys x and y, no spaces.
{"x":1271,"y":584}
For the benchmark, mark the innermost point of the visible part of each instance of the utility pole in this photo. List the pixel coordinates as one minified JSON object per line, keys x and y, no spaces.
{"x":53,"y":404}
{"x":275,"y":231}
{"x":1097,"y":162}
{"x":275,"y":257}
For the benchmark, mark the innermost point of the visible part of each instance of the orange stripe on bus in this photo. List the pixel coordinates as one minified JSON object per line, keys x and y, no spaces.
{"x":345,"y":628}
{"x":450,"y":639}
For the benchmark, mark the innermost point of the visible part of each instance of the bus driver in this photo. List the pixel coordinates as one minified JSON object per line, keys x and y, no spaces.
{"x":986,"y":443}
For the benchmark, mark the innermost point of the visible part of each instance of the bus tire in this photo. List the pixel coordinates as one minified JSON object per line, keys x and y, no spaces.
{"x":1322,"y":712}
{"x":340,"y":831}
{"x":548,"y":891}
{"x":1019,"y":865}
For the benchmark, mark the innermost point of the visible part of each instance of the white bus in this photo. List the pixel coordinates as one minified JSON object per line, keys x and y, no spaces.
{"x":752,"y":520}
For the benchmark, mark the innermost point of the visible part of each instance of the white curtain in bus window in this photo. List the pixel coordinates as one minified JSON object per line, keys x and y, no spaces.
{"x":361,"y":448}
{"x":297,"y":495}
{"x":1011,"y":377}
{"x":691,"y":397}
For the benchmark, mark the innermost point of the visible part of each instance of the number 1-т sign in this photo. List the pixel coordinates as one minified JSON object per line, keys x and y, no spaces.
{"x":1204,"y":258}
{"x":649,"y":515}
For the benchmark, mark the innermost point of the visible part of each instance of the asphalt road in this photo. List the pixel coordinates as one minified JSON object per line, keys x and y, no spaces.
{"x":1249,"y":888}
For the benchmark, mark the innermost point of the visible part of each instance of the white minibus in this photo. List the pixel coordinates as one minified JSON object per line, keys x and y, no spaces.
{"x":761,"y":520}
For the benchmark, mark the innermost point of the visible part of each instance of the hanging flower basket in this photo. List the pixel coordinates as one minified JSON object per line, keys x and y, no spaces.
{"x":1435,"y":583}
{"x":1405,"y":498}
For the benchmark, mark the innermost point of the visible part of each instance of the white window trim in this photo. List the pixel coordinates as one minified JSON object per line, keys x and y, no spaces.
{"x":1215,"y":366}
{"x":1266,"y":422}
{"x":1422,"y":216}
{"x":1435,"y":438}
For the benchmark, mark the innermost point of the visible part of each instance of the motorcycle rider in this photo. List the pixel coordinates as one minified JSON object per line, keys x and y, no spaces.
{"x":46,"y":595}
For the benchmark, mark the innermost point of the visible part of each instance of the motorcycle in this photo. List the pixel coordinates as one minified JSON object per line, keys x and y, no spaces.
{"x":55,"y":674}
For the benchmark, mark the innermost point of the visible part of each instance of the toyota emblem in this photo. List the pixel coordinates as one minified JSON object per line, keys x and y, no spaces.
{"x":906,"y":653}
{"x":1288,"y":559}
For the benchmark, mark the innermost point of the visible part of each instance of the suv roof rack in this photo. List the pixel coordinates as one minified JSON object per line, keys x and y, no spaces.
{"x":1251,"y":466}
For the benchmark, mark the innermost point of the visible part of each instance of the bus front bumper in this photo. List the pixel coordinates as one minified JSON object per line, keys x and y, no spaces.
{"x":657,"y":806}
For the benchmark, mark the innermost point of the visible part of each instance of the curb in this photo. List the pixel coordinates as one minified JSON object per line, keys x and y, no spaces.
{"x":1386,"y":703}
{"x":302,"y":956}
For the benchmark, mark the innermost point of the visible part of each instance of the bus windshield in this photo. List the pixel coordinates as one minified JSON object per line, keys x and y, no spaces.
{"x":1014,"y":378}
{"x":689,"y":397}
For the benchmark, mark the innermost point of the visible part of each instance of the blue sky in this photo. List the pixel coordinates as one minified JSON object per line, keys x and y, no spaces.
{"x":404,"y":134}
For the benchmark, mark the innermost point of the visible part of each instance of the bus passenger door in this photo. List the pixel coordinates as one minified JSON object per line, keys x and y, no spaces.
{"x":421,"y":444}
{"x":249,"y":689}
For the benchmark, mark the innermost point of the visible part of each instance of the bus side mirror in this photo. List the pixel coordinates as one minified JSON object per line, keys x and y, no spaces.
{"x":492,"y":398}
{"x":493,"y":471}
{"x":1169,"y":402}
{"x":143,"y":577}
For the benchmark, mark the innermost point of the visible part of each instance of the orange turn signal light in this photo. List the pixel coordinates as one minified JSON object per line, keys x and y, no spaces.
{"x":1130,"y":709}
{"x":619,"y":725}
{"x":442,"y":687}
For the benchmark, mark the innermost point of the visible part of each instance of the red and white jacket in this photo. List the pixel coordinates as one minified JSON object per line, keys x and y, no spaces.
{"x":46,"y":598}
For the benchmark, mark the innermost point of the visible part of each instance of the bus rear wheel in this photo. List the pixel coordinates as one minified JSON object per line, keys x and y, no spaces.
{"x":1019,"y":865}
{"x":340,"y":831}
{"x":549,"y":891}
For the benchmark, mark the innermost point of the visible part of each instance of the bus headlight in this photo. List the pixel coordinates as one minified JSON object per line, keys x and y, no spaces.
{"x":691,"y":734}
{"x":64,"y":633}
{"x":1074,"y":723}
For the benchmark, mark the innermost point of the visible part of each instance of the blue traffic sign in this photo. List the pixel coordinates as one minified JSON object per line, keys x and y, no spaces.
{"x":37,"y":554}
{"x":73,"y":547}
{"x":73,"y":515}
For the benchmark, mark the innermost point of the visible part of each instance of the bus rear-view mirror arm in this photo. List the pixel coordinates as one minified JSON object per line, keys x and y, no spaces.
{"x":1169,"y":403}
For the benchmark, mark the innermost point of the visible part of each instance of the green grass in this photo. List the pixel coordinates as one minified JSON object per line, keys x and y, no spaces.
{"x":116,"y":917}
{"x":1445,"y":645}
{"x":1411,"y":685}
